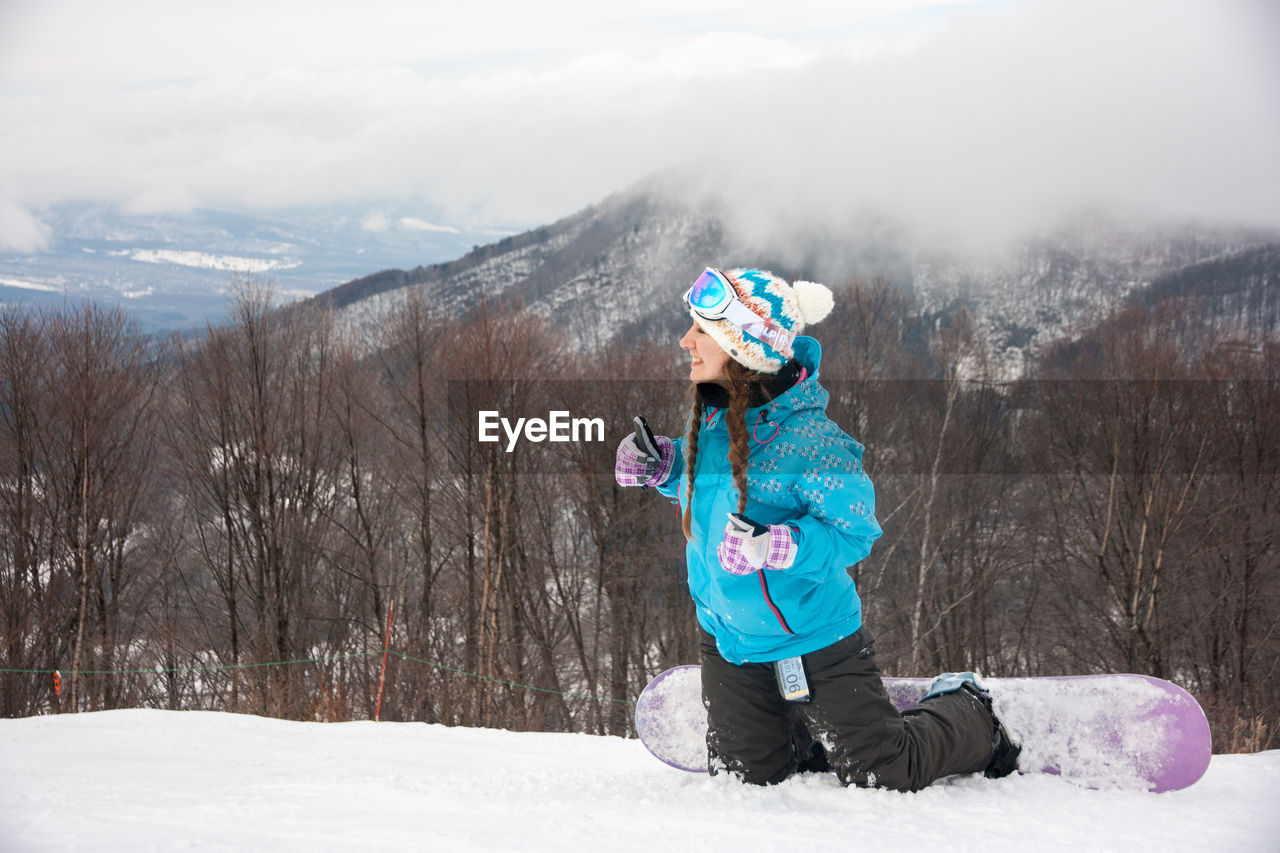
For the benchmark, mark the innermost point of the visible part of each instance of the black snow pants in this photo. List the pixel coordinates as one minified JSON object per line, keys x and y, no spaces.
{"x":756,"y":734}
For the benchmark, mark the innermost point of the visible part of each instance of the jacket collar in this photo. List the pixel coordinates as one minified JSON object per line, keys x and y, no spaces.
{"x":782,"y":391}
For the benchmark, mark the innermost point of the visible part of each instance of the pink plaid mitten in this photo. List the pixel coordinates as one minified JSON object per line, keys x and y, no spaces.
{"x":749,"y":546}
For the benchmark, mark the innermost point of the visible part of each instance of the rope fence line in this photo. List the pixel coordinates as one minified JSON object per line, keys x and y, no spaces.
{"x":161,"y":670}
{"x":57,"y":674}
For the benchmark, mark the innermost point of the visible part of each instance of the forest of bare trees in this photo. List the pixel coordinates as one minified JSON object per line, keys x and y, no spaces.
{"x":251,"y":521}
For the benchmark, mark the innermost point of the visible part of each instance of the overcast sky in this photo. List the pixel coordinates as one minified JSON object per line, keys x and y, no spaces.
{"x":518,"y":113}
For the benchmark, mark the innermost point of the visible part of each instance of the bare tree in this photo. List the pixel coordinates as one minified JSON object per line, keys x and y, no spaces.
{"x":28,"y":594}
{"x":1128,"y":461}
{"x":414,"y":358}
{"x":261,"y":454}
{"x":99,"y":445}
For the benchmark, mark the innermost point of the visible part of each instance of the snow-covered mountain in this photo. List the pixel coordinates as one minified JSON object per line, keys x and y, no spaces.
{"x":617,"y":268}
{"x":1058,"y":281}
{"x":176,"y":270}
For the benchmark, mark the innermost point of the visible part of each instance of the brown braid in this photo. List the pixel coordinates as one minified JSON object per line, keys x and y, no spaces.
{"x":690,"y":457}
{"x":741,"y":382}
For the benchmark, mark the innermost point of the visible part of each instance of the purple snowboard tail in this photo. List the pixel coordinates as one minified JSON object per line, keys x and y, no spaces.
{"x":1130,"y":732}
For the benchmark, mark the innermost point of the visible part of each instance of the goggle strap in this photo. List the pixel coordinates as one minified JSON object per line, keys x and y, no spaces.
{"x":761,"y":328}
{"x":729,"y":306}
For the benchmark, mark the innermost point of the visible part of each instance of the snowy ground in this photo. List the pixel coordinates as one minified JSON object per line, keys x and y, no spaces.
{"x":159,"y":780}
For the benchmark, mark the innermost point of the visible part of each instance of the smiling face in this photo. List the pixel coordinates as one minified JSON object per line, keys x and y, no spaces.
{"x":709,"y":363}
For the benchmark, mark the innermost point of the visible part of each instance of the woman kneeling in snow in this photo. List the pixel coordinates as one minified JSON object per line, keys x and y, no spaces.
{"x":776,"y":505}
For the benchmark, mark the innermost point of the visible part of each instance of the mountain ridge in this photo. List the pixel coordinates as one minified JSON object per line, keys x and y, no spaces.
{"x":594,"y":273}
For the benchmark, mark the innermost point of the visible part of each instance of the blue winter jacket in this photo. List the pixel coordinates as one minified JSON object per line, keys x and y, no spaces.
{"x":805,"y":472}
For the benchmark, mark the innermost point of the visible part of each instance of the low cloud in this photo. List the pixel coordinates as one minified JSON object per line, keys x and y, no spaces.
{"x":415,"y":224}
{"x":162,"y":199}
{"x":376,"y":223}
{"x":20,"y":231}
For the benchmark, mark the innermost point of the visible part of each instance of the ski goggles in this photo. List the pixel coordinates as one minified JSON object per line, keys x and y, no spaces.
{"x":713,"y":297}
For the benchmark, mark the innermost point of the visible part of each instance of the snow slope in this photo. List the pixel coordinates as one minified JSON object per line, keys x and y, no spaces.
{"x":163,"y":780}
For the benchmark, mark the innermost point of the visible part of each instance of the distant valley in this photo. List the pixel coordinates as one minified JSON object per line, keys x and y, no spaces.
{"x":176,"y":271}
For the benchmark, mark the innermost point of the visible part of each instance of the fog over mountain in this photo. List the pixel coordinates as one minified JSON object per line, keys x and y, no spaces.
{"x":1013,"y":116}
{"x":972,"y":120}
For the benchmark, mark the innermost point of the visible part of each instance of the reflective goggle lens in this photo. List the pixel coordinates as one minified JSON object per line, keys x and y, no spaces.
{"x":709,"y":292}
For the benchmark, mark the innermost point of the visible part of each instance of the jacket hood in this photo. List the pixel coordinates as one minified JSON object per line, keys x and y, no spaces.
{"x":808,"y":394}
{"x":807,"y":354}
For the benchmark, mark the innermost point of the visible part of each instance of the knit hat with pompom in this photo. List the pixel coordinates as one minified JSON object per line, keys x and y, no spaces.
{"x":792,"y":306}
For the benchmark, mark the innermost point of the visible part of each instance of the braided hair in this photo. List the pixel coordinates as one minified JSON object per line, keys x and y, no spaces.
{"x":746,"y":388}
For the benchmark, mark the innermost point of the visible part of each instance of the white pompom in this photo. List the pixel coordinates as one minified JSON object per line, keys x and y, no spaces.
{"x":814,"y":300}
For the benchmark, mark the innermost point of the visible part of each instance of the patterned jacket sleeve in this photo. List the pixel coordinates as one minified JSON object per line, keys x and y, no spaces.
{"x":839,"y":523}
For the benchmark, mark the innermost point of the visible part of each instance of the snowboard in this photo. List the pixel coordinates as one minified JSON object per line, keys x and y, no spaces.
{"x":1130,"y":732}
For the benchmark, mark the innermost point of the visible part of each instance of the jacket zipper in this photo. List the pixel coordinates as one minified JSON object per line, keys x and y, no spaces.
{"x":768,"y":599}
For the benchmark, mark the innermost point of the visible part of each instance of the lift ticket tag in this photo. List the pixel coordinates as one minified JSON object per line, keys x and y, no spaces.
{"x":792,"y":684}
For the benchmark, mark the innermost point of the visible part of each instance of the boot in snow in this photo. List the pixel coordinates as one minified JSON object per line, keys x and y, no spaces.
{"x":1004,"y":752}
